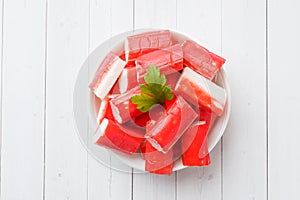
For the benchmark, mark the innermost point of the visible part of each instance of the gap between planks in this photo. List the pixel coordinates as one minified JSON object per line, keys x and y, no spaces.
{"x":45,"y":98}
{"x":1,"y":90}
{"x":267,"y":100}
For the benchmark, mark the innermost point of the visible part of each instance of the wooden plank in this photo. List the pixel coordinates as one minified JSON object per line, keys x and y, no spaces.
{"x":201,"y":183}
{"x":1,"y":61}
{"x":283,"y":48}
{"x":204,"y":182}
{"x":1,"y":66}
{"x":67,"y":48}
{"x":245,"y":145}
{"x":23,"y":99}
{"x":154,"y":14}
{"x":108,"y":18}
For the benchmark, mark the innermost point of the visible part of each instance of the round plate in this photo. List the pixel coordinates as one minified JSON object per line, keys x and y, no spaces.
{"x":85,"y":116}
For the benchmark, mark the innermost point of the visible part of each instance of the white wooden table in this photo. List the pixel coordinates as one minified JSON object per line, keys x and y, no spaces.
{"x":43,"y":44}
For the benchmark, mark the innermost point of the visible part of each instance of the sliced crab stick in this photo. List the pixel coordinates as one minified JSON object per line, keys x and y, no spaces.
{"x":105,"y":111}
{"x":142,"y":120}
{"x":164,"y":133}
{"x":151,"y":116}
{"x":200,"y":91}
{"x":127,"y":79}
{"x":172,"y":79}
{"x":194,"y":141}
{"x":140,"y":44}
{"x":157,"y":162}
{"x":115,"y":136}
{"x":177,"y":150}
{"x":201,"y":60}
{"x":106,"y":75}
{"x":122,"y":108}
{"x":169,"y":60}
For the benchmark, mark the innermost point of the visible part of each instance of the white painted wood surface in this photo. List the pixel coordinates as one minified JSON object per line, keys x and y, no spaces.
{"x":23,"y":96}
{"x":43,"y":46}
{"x":108,"y":18}
{"x":245,"y":142}
{"x":1,"y":48}
{"x":284,"y":130}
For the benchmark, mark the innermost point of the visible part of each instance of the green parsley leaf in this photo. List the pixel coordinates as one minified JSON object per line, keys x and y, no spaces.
{"x":153,"y":76}
{"x":154,"y":91}
{"x":144,"y":102}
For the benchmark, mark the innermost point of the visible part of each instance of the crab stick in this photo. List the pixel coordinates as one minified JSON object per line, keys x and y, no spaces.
{"x":140,"y":44}
{"x":194,"y":141}
{"x":200,"y":91}
{"x":122,"y":108}
{"x":127,"y":79}
{"x":106,"y":75}
{"x":165,"y":132}
{"x":157,"y":162}
{"x":169,"y":60}
{"x":115,"y":136}
{"x":105,"y":110}
{"x":201,"y":60}
{"x":172,"y":79}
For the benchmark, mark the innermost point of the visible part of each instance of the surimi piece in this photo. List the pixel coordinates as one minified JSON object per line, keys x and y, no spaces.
{"x":201,"y":60}
{"x":105,"y":111}
{"x":122,"y":108}
{"x":177,"y":152}
{"x":172,"y":79}
{"x":106,"y":75}
{"x":200,"y":91}
{"x":169,"y":60}
{"x":165,"y":132}
{"x":115,"y":136}
{"x":142,"y":120}
{"x":157,"y":162}
{"x":151,"y":116}
{"x":194,"y":141}
{"x":127,"y":79}
{"x":143,"y":43}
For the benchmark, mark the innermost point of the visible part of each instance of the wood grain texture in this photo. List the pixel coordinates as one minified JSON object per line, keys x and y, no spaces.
{"x":108,"y":18}
{"x":202,"y":182}
{"x":67,"y":48}
{"x":284,"y":115}
{"x":23,"y":99}
{"x":154,"y":14}
{"x":245,"y":144}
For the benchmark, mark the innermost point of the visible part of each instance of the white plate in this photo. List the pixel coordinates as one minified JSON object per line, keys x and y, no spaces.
{"x":85,"y":116}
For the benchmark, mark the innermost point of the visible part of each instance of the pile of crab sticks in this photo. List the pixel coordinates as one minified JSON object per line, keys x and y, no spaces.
{"x":159,"y":99}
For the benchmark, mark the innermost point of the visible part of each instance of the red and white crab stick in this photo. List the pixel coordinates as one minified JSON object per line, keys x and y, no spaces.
{"x":140,"y":44}
{"x":200,"y":91}
{"x":165,"y":132}
{"x":201,"y":60}
{"x":115,"y":136}
{"x":127,"y":79}
{"x":194,"y":141}
{"x":106,"y":75}
{"x":105,"y":110}
{"x":122,"y":108}
{"x":169,"y":60}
